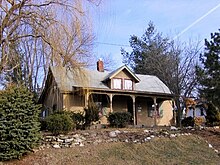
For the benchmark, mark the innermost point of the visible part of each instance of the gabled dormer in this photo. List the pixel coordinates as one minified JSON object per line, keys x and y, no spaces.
{"x":122,"y":79}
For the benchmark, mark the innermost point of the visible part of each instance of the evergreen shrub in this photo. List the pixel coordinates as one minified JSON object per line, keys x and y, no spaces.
{"x":91,"y":114}
{"x":59,"y":123}
{"x":119,"y":119}
{"x":78,"y":119}
{"x":19,"y":122}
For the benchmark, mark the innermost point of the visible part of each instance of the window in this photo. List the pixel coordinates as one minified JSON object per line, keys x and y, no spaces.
{"x":117,"y":83}
{"x":128,"y":84}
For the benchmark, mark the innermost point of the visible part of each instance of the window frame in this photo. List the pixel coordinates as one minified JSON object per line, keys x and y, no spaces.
{"x":132,"y":86}
{"x":113,"y":83}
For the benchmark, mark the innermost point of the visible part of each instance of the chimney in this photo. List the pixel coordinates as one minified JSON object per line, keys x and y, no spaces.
{"x":100,"y":65}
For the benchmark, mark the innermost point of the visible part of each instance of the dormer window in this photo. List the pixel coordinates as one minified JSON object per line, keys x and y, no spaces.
{"x":117,"y":83}
{"x":128,"y":84}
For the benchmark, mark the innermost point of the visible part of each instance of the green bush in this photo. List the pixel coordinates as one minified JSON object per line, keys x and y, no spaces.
{"x":59,"y":123}
{"x":188,"y":121}
{"x":19,"y":123}
{"x":91,"y":115}
{"x":119,"y":119}
{"x":78,"y":119}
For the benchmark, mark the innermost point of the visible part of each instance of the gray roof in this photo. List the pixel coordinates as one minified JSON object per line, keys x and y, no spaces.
{"x":67,"y":79}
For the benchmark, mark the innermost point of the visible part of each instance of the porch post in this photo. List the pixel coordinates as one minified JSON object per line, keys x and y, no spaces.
{"x":86,"y":99}
{"x":111,"y":96}
{"x":155,"y":111}
{"x":134,"y":109}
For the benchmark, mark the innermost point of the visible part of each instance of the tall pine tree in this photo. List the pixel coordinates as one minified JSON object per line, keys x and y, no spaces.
{"x":209,"y":76}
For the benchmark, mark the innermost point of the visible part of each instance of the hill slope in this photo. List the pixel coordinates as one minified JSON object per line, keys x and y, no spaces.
{"x":181,"y":150}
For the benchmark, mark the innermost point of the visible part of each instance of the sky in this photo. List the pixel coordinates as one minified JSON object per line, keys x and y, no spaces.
{"x":114,"y":21}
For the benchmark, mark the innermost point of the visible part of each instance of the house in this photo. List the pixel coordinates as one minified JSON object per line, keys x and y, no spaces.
{"x":197,"y":108}
{"x":146,"y":97}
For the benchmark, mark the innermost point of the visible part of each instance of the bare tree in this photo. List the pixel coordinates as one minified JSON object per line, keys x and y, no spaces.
{"x":41,"y":33}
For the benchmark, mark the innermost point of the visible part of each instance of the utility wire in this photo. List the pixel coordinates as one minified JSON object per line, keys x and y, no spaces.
{"x":112,"y":44}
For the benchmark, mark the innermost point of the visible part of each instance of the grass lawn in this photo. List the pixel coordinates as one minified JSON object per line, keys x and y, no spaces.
{"x":164,"y":151}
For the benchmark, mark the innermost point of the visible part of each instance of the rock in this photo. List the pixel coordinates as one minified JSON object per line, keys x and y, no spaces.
{"x":69,"y":140}
{"x":146,"y":131}
{"x":59,"y":140}
{"x":172,"y":135}
{"x":216,"y":151}
{"x":48,"y":137}
{"x":165,"y":133}
{"x":152,"y":136}
{"x":210,"y":146}
{"x":148,"y":138}
{"x":66,"y":145}
{"x":85,"y":134}
{"x":63,"y":137}
{"x":126,"y":140}
{"x":172,"y":128}
{"x":135,"y":141}
{"x":117,"y":132}
{"x":72,"y":145}
{"x":81,"y":145}
{"x":56,"y":146}
{"x":78,"y":140}
{"x":189,"y":127}
{"x":112,"y":134}
{"x":216,"y":127}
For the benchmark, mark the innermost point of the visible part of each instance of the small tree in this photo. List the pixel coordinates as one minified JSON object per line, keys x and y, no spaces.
{"x":19,"y":122}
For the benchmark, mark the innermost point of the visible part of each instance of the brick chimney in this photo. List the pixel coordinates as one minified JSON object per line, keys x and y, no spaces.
{"x":100,"y":65}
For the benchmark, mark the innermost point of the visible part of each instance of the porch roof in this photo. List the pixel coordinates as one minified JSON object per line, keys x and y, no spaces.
{"x":84,"y":78}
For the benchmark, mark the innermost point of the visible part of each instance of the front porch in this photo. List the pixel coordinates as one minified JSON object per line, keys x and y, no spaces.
{"x":147,"y":110}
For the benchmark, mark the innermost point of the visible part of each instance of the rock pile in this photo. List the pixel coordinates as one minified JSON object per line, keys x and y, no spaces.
{"x":90,"y":137}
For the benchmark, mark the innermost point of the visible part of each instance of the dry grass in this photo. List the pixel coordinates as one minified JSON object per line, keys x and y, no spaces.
{"x":182,"y":150}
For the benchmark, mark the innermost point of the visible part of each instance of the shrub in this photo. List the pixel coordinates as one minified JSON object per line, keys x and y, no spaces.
{"x":59,"y":123}
{"x":78,"y":119}
{"x":19,"y":123}
{"x":91,"y":115}
{"x":119,"y":119}
{"x":188,"y":121}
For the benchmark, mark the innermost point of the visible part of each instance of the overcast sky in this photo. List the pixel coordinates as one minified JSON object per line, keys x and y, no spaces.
{"x":115,"y":20}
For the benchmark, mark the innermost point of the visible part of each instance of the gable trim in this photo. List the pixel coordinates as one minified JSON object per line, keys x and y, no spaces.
{"x":129,"y":71}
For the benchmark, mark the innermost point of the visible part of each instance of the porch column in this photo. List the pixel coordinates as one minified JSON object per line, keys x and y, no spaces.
{"x":155,"y":111}
{"x":86,"y":99}
{"x":134,"y":109}
{"x":111,"y":96}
